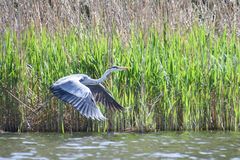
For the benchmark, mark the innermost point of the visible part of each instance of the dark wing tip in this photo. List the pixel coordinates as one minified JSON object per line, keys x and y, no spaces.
{"x":52,"y":88}
{"x":104,"y":96}
{"x":121,"y":108}
{"x":115,"y":106}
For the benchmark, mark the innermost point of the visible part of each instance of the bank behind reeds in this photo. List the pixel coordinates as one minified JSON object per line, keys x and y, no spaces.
{"x":177,"y":81}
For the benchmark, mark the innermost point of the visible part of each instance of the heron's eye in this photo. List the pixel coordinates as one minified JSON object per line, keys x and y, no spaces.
{"x":115,"y":67}
{"x":82,"y":79}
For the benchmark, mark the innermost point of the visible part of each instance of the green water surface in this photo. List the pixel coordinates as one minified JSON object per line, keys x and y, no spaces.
{"x":162,"y":145}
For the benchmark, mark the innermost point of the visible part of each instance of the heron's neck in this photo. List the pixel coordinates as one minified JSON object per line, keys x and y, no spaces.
{"x":104,"y":76}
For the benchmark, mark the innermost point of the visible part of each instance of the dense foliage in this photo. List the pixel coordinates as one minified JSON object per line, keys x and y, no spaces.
{"x":176,"y":80}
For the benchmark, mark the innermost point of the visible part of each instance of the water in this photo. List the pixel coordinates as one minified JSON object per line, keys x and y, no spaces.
{"x":163,"y":145}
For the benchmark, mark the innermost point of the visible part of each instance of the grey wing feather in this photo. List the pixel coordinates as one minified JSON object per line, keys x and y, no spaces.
{"x":103,"y":96}
{"x":79,"y":96}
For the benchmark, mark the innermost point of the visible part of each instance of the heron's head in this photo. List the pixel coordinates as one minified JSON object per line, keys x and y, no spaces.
{"x":118,"y":68}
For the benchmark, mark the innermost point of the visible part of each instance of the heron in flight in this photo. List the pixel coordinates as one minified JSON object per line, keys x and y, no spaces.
{"x":82,"y":92}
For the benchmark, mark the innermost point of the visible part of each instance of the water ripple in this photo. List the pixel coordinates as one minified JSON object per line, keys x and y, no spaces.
{"x":166,"y":145}
{"x":168,"y":155}
{"x":81,"y":147}
{"x":29,"y":143}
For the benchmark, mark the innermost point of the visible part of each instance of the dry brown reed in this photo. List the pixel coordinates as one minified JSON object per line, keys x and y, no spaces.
{"x":118,"y":15}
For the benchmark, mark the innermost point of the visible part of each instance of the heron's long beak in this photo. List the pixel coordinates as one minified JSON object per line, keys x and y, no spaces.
{"x":123,"y":68}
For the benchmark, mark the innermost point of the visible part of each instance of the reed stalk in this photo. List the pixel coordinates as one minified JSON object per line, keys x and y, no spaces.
{"x":176,"y":81}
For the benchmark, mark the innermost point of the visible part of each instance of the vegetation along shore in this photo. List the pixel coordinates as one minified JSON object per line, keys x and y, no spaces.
{"x":183,"y":59}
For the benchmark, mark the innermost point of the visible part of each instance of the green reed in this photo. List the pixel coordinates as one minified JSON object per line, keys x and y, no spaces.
{"x":177,"y":81}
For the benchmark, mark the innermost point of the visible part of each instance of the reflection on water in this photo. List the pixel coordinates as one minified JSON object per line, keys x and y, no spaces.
{"x":166,"y":145}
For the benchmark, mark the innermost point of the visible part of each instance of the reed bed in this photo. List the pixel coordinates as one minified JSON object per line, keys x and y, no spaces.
{"x":177,"y":81}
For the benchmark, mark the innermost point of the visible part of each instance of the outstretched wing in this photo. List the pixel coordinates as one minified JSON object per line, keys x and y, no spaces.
{"x":103,"y":96}
{"x":79,"y":96}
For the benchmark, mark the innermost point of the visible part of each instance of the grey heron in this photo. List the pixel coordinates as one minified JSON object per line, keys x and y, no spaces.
{"x":82,"y":92}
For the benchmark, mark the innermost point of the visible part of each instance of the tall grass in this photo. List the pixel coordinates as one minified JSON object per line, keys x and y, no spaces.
{"x":177,"y":81}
